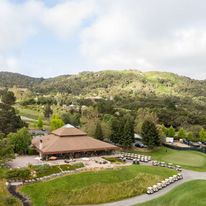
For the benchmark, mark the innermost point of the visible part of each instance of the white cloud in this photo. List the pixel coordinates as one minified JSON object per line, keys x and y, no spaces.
{"x":168,"y":35}
{"x":10,"y":64}
{"x":65,"y":18}
{"x":155,"y":34}
{"x":21,"y":21}
{"x":16,"y":24}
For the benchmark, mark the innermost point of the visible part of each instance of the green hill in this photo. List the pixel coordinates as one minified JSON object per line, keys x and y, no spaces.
{"x":9,"y":79}
{"x":177,"y":100}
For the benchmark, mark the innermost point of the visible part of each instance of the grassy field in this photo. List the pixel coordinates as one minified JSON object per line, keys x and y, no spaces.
{"x":95,"y":187}
{"x":5,"y":198}
{"x":190,"y":194}
{"x":192,"y":160}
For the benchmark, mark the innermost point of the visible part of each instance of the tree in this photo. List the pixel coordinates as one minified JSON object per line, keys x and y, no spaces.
{"x":40,"y":123}
{"x":106,"y":129}
{"x":128,"y":133}
{"x":190,"y":136}
{"x":164,"y":130}
{"x":202,"y":135}
{"x":48,"y":111}
{"x":8,"y":97}
{"x":71,"y":118}
{"x":116,"y":130}
{"x":21,"y":140}
{"x":98,"y":131}
{"x":9,"y":121}
{"x":150,"y":134}
{"x":143,"y":115}
{"x":6,"y":150}
{"x":171,"y":131}
{"x":56,"y":122}
{"x":182,"y":133}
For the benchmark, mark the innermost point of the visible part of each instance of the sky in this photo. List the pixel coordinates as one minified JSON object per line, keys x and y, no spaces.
{"x":46,"y":38}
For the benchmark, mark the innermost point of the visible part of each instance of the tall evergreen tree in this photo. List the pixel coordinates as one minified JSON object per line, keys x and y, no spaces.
{"x":182,"y":133}
{"x":9,"y":121}
{"x":115,"y":130}
{"x":150,"y":134}
{"x":171,"y":131}
{"x":98,"y":131}
{"x":128,"y":133}
{"x":202,"y":135}
{"x":40,"y":123}
{"x":47,"y":111}
{"x":8,"y":97}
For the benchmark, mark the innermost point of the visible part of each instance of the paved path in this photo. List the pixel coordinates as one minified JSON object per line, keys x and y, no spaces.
{"x":187,"y":174}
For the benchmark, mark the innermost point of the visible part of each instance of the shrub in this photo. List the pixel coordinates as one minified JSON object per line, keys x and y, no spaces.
{"x":72,"y":167}
{"x":18,"y":174}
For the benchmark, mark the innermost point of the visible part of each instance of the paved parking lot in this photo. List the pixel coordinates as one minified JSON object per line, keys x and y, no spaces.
{"x":23,"y":161}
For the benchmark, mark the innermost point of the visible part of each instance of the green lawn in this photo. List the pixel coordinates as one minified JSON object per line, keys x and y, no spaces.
{"x":95,"y":187}
{"x":192,"y":160}
{"x":190,"y":193}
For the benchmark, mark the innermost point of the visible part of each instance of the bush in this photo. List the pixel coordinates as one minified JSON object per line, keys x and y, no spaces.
{"x":18,"y":174}
{"x":45,"y":170}
{"x":32,"y":151}
{"x":72,"y":167}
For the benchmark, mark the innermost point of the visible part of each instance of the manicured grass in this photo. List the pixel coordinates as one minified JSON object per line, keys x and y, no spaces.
{"x":190,"y":193}
{"x":5,"y":198}
{"x":29,"y":112}
{"x":192,"y":160}
{"x":95,"y":187}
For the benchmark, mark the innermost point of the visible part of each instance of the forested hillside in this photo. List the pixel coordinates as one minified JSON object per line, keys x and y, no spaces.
{"x":177,"y":100}
{"x":9,"y":79}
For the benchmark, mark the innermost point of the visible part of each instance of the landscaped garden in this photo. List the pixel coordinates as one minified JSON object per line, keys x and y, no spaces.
{"x":114,"y":160}
{"x":191,"y":160}
{"x":37,"y":171}
{"x":190,"y":193}
{"x":95,"y":187}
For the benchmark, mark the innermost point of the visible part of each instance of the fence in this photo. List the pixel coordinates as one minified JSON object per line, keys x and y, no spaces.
{"x":199,"y":149}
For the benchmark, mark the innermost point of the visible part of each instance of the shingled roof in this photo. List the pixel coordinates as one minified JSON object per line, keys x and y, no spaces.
{"x":69,"y":139}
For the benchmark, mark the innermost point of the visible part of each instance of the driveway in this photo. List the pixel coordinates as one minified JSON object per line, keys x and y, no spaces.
{"x":23,"y":161}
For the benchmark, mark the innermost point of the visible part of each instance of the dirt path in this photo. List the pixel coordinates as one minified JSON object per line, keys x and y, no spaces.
{"x":13,"y":190}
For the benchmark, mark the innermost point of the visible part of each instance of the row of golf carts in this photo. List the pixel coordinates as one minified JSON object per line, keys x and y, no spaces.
{"x":164,"y":183}
{"x":134,"y":157}
{"x":168,"y":165}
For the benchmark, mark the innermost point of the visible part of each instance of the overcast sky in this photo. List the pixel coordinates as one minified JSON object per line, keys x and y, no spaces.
{"x":53,"y":37}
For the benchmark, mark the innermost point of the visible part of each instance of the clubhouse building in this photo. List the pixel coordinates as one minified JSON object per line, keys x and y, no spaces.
{"x":70,"y":142}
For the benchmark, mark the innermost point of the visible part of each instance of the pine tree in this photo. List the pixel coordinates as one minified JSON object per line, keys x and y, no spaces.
{"x":164,"y":130}
{"x":128,"y":134}
{"x":47,"y":111}
{"x":171,"y":131}
{"x":202,"y":135}
{"x":98,"y":131}
{"x":150,"y":134}
{"x":116,"y":131}
{"x":190,"y":136}
{"x":181,"y":133}
{"x":40,"y":123}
